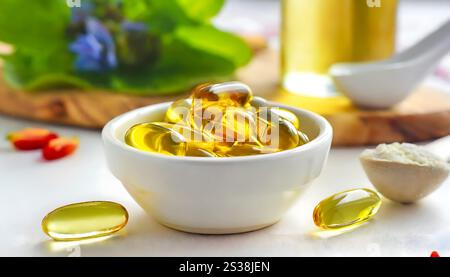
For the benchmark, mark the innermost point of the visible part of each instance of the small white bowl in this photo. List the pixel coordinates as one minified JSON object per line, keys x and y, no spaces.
{"x":215,"y":195}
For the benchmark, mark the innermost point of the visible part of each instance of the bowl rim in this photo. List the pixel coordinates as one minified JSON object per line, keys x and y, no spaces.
{"x":325,"y":133}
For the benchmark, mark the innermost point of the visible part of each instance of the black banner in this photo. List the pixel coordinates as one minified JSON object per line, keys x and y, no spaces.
{"x":228,"y":266}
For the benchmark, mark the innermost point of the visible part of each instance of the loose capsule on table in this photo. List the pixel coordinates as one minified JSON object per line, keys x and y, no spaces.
{"x":345,"y":209}
{"x":85,"y":220}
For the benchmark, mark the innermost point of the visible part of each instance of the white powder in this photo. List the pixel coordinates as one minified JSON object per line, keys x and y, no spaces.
{"x":404,"y":153}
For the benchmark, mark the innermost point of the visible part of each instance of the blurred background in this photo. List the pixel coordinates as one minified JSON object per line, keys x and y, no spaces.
{"x":415,"y":18}
{"x":33,"y":187}
{"x":159,"y":50}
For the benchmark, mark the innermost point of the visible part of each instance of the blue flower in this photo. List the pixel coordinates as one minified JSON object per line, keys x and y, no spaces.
{"x":95,"y":48}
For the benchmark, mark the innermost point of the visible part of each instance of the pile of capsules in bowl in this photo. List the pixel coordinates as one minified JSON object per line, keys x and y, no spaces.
{"x":219,"y":120}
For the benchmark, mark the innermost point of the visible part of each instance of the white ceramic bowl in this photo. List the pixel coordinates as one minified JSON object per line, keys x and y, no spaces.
{"x":215,"y":195}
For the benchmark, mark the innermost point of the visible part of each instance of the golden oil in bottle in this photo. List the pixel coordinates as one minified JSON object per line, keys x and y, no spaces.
{"x":374,"y":30}
{"x":346,"y":209}
{"x":85,"y":220}
{"x":317,"y":34}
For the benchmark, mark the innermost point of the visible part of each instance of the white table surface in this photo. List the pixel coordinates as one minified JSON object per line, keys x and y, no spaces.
{"x":30,"y":187}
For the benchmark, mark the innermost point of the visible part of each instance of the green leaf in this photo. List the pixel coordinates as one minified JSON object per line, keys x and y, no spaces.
{"x":161,"y":16}
{"x":180,"y":68}
{"x":211,"y":40}
{"x":193,"y":51}
{"x":202,"y":10}
{"x":136,"y":10}
{"x":24,"y":66}
{"x":35,"y":24}
{"x":164,"y":16}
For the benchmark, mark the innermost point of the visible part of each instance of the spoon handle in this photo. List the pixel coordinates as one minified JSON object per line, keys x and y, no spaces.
{"x":440,"y":147}
{"x":435,"y":45}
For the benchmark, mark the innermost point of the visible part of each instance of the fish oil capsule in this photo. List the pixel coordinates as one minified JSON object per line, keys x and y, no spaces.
{"x":346,"y":209}
{"x":238,"y":125}
{"x":156,"y":137}
{"x":271,"y":112}
{"x":235,"y":94}
{"x":197,"y":144}
{"x":167,"y":138}
{"x":258,"y":102}
{"x":209,"y":102}
{"x":179,"y":111}
{"x":219,"y":120}
{"x":287,"y":115}
{"x":242,"y":149}
{"x":281,"y":134}
{"x":304,"y":139}
{"x":200,"y":152}
{"x":209,"y":117}
{"x":85,"y":220}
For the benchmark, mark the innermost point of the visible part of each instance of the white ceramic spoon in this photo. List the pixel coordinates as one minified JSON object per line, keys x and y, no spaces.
{"x":385,"y":83}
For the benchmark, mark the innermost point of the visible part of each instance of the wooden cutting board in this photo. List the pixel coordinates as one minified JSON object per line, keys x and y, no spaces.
{"x":423,"y":116}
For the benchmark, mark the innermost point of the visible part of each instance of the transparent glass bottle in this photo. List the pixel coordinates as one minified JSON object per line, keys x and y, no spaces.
{"x":319,"y":33}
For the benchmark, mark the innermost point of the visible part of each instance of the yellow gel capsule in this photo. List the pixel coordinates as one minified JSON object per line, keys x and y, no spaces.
{"x":235,"y":94}
{"x":258,"y":102}
{"x":156,"y":137}
{"x":198,"y":144}
{"x":304,"y":139}
{"x":238,"y":125}
{"x":242,"y":149}
{"x":281,"y":135}
{"x":85,"y":220}
{"x":179,"y":111}
{"x":167,"y":138}
{"x":219,"y":120}
{"x":288,"y":115}
{"x":346,"y":209}
{"x":200,"y":152}
{"x":269,"y":113}
{"x":288,"y":135}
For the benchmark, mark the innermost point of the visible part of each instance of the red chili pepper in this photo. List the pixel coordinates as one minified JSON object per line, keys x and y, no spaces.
{"x":59,"y":148}
{"x":435,"y":254}
{"x":31,"y":138}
